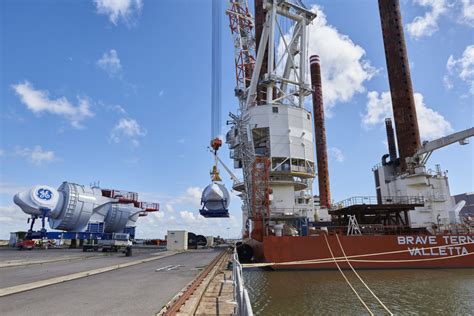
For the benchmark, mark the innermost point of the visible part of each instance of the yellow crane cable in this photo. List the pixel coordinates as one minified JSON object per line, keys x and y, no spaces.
{"x":361,"y":280}
{"x":326,"y":260}
{"x":345,"y":278}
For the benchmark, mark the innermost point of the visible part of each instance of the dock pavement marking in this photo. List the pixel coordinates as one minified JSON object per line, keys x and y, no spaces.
{"x":20,"y":263}
{"x":38,"y":284}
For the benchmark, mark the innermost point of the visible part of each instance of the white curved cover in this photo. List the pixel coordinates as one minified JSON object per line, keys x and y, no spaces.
{"x":118,"y":216}
{"x":78,"y":207}
{"x":215,"y":197}
{"x":37,"y":198}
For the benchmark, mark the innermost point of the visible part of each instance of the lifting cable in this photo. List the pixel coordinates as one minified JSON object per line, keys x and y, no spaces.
{"x":361,"y":280}
{"x":345,"y":278}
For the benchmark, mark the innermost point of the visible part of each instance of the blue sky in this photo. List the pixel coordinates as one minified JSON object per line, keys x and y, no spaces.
{"x":119,"y":92}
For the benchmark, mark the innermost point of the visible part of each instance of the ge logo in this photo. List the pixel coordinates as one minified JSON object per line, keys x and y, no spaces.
{"x":44,"y":194}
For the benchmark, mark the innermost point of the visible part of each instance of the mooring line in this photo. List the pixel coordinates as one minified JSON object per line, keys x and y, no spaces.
{"x":361,"y":280}
{"x":345,"y":278}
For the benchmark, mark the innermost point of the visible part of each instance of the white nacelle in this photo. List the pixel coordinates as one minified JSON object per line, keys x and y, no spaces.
{"x":215,"y":197}
{"x":70,"y":206}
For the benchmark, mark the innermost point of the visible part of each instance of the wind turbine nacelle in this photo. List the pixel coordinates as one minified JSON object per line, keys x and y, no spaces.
{"x":70,"y":206}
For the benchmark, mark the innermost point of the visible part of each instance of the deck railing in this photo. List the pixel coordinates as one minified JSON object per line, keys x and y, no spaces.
{"x":359,"y":200}
{"x":241,"y":296}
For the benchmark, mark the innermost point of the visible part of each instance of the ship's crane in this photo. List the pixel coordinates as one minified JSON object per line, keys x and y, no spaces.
{"x":260,"y":81}
{"x":423,"y":154}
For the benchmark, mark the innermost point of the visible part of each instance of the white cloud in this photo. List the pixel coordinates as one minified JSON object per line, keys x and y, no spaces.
{"x":110,"y":62}
{"x":37,"y":155}
{"x":191,"y":196}
{"x":336,"y":154}
{"x":11,"y":189}
{"x":343,"y":67}
{"x":427,"y":25}
{"x":38,"y":101}
{"x":463,"y":67}
{"x":169,"y":208}
{"x":127,"y":129}
{"x":119,"y":9}
{"x":432,"y":124}
{"x":467,"y":13}
{"x":12,"y":219}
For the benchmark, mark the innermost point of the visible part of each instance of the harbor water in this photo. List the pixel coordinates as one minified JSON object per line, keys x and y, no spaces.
{"x":404,"y":292}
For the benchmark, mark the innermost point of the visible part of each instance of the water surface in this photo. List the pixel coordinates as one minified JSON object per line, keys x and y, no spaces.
{"x":405,"y":292}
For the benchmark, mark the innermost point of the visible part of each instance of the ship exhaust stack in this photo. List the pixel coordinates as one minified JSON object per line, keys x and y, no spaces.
{"x":392,"y":147}
{"x":320,"y":133}
{"x":401,"y":89}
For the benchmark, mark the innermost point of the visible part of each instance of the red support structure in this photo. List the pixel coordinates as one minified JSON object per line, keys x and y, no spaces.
{"x":320,"y":133}
{"x":260,"y":212}
{"x":241,"y":24}
{"x":401,"y":89}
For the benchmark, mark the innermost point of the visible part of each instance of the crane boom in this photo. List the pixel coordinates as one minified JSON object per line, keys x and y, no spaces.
{"x":425,"y":151}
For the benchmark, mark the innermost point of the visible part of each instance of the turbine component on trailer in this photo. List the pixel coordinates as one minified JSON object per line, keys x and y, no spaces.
{"x":403,"y":102}
{"x":72,"y":207}
{"x":215,"y":201}
{"x":68,"y":208}
{"x":320,"y":133}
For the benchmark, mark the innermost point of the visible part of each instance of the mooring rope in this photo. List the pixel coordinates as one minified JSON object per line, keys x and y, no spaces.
{"x":361,"y":280}
{"x":347,"y":280}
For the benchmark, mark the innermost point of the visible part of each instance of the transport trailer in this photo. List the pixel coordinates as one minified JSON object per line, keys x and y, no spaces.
{"x":25,"y":244}
{"x":114,"y":242}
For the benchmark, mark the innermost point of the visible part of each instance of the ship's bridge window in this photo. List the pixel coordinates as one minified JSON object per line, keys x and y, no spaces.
{"x":275,"y":109}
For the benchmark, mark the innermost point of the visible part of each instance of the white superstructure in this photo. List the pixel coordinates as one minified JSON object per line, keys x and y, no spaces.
{"x":430,"y":185}
{"x":272,"y":123}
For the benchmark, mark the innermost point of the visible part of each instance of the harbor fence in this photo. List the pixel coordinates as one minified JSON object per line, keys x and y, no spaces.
{"x":241,"y":295}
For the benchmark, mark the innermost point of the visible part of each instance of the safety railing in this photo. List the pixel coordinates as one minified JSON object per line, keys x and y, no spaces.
{"x":241,"y":296}
{"x":358,"y":200}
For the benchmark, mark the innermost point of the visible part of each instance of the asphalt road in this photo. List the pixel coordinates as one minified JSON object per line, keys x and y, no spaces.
{"x":10,"y":276}
{"x":136,"y":290}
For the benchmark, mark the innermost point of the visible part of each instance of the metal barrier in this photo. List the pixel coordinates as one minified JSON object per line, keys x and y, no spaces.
{"x":241,"y":296}
{"x":358,"y":200}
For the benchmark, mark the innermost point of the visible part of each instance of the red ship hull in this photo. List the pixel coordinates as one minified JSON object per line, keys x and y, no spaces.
{"x":367,"y":252}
